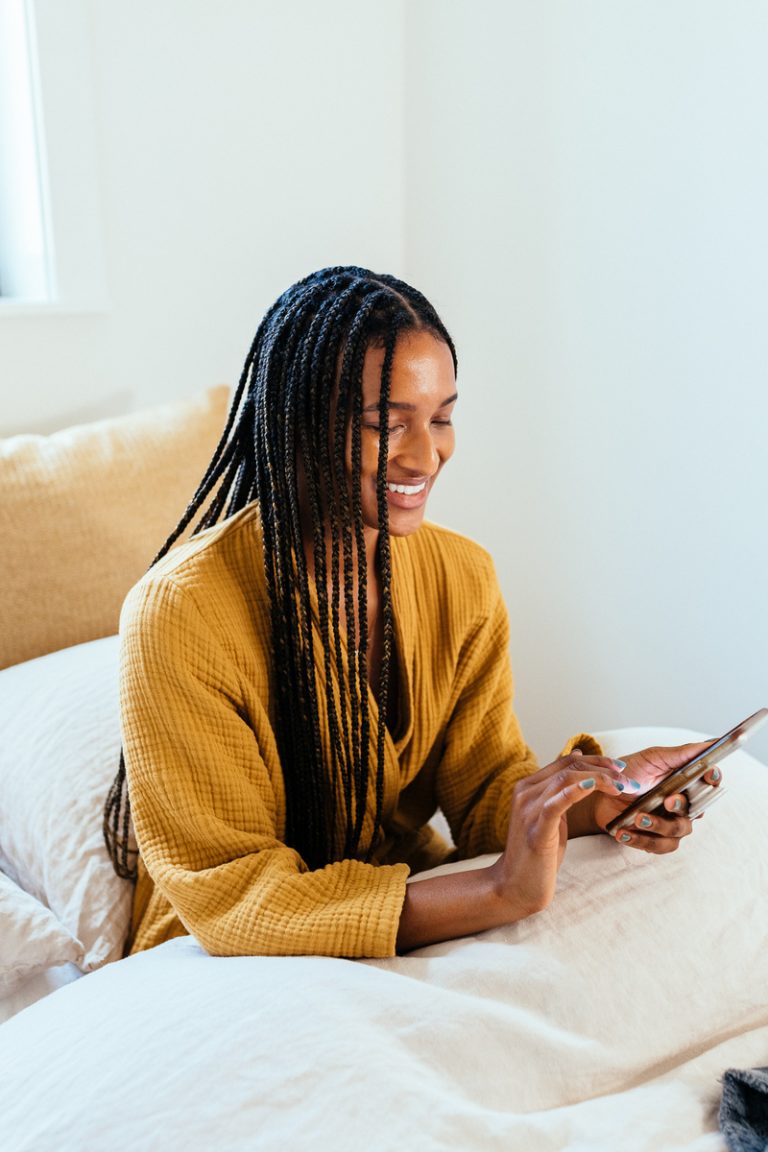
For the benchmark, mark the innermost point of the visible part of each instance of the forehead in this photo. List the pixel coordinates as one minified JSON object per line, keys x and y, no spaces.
{"x":422,"y":368}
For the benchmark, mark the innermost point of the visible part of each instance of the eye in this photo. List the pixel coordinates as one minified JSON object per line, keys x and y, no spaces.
{"x":444,"y":423}
{"x":393,"y":430}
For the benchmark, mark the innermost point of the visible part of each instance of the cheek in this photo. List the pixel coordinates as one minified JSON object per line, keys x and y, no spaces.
{"x":447,"y":446}
{"x":369,"y":454}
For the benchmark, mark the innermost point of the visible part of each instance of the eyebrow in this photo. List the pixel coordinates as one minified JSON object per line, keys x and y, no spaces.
{"x":409,"y":407}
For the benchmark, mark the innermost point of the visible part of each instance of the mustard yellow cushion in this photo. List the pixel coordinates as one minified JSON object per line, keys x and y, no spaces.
{"x":83,"y":513}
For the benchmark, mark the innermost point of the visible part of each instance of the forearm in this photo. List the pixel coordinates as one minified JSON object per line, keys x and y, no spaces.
{"x":447,"y":907}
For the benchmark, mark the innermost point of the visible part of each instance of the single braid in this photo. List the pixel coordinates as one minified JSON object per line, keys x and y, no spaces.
{"x":385,"y":569}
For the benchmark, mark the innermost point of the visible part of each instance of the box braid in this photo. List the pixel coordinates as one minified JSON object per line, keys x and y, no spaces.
{"x":299,"y":393}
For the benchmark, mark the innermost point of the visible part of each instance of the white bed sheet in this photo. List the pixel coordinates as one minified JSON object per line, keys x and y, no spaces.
{"x":602,"y":1023}
{"x":175,"y":1050}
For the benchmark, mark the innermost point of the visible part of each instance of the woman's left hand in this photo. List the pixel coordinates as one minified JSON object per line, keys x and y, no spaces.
{"x":653,"y":832}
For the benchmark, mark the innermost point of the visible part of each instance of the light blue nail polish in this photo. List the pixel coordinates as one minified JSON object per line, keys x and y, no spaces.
{"x":646,"y":822}
{"x":620,"y":764}
{"x":618,"y":784}
{"x":590,"y":783}
{"x":677,"y":806}
{"x":635,"y":784}
{"x":625,"y":837}
{"x":715,"y":774}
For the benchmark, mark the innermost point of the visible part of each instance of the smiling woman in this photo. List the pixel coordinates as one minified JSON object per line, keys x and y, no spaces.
{"x":317,"y":671}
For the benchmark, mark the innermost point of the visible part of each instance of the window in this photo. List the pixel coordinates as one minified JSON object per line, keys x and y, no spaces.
{"x":25,"y":252}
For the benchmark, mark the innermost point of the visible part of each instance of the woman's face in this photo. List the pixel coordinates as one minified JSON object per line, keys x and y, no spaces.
{"x":421,"y":435}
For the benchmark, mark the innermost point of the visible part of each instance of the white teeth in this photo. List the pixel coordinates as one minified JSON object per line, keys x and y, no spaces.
{"x":407,"y":489}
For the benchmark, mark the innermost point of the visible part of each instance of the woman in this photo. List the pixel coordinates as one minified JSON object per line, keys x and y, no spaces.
{"x":316,"y":671}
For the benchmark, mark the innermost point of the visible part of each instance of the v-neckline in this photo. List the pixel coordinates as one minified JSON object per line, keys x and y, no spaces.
{"x":402,"y":608}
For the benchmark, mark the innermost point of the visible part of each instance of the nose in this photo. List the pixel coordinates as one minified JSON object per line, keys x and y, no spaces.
{"x":417,"y":452}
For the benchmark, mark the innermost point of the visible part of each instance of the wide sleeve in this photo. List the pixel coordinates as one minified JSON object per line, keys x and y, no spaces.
{"x":484,"y":753}
{"x":208,"y":808}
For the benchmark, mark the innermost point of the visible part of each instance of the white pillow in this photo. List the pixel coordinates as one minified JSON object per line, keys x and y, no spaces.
{"x":31,"y":937}
{"x":59,"y":715}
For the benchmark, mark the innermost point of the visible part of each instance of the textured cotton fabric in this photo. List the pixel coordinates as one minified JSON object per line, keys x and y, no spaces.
{"x":198,"y":712}
{"x":83,"y":512}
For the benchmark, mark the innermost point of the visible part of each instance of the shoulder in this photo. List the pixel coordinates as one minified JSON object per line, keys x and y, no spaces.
{"x":214,"y":574}
{"x":208,"y":552}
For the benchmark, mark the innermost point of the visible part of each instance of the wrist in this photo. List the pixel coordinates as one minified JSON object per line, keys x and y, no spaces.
{"x":508,"y":907}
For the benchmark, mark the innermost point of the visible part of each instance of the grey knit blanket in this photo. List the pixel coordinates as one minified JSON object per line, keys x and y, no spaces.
{"x":744,"y":1109}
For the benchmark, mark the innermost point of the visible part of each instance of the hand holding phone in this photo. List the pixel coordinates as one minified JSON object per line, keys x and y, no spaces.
{"x":688,"y":778}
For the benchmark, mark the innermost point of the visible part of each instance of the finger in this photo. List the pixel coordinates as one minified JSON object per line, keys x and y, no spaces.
{"x":652,"y":824}
{"x":534,"y":791}
{"x":576,"y":759}
{"x":568,"y":786}
{"x":656,"y":845}
{"x":713,"y":776}
{"x":677,"y":803}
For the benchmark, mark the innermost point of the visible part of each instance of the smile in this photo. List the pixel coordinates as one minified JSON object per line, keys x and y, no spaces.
{"x":407,"y":489}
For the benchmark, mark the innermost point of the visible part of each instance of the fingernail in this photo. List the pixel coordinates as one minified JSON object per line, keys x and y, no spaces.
{"x":625,"y":837}
{"x":635,"y":784}
{"x":585,"y":784}
{"x":620,"y":764}
{"x":678,"y":804}
{"x":646,"y":822}
{"x":715,"y":774}
{"x":618,"y":784}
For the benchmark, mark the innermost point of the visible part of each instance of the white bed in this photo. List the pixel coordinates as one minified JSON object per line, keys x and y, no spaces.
{"x":173,"y":1049}
{"x":604,"y":1022}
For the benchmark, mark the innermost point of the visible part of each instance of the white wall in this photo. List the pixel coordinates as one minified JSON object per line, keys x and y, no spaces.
{"x":586,"y":192}
{"x":579,"y":187}
{"x":236,"y":147}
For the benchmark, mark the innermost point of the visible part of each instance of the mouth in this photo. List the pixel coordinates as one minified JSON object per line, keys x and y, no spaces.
{"x":407,"y":489}
{"x":407,"y":495}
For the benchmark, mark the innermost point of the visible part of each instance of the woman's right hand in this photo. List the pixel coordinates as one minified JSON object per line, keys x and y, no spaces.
{"x":522,"y":880}
{"x":526,"y":873}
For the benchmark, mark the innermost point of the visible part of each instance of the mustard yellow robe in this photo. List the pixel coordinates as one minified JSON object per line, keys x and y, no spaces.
{"x":198,"y":704}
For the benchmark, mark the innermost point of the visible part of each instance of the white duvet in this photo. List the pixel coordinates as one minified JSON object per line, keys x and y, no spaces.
{"x":604,"y":1022}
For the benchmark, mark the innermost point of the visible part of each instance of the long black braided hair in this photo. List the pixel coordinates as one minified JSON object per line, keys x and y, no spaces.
{"x":298,"y":399}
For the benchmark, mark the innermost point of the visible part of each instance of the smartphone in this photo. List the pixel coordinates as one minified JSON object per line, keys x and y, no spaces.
{"x":688,"y":778}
